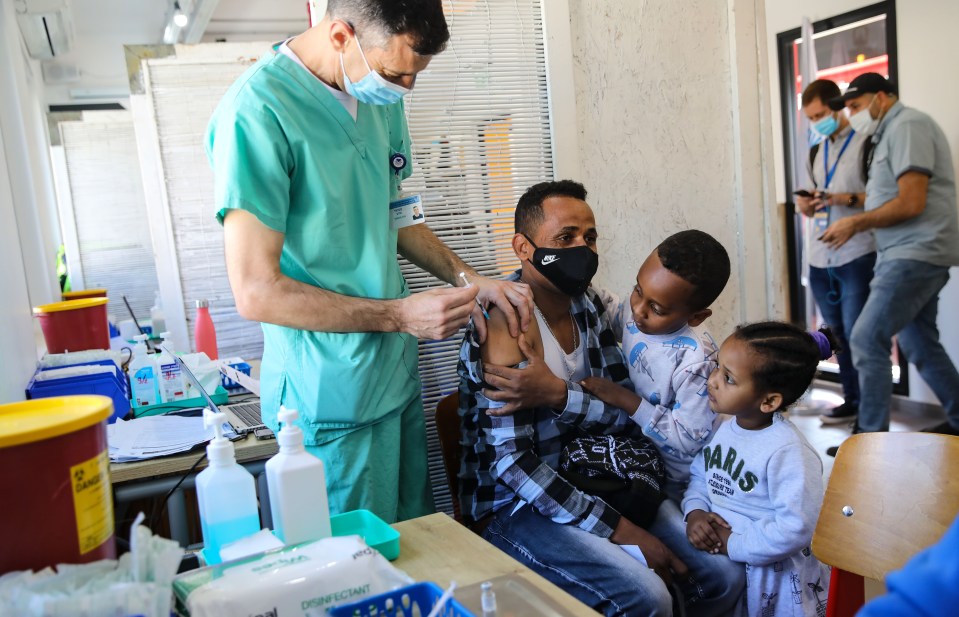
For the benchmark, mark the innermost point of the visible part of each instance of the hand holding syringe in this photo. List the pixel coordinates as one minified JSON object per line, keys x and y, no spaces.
{"x":467,"y":283}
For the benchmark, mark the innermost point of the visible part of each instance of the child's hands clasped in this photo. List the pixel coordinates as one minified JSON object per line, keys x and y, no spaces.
{"x":707,"y":531}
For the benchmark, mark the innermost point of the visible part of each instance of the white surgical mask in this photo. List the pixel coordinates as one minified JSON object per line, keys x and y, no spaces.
{"x":862,"y":122}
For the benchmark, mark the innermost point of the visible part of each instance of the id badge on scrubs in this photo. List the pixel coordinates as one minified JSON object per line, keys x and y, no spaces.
{"x":406,"y":211}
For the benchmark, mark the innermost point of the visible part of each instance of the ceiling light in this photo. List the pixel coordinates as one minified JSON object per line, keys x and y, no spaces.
{"x":179,"y":17}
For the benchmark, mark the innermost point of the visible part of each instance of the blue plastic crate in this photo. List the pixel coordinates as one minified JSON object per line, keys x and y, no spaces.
{"x":241,"y":367}
{"x":425,"y":595}
{"x":113,"y":385}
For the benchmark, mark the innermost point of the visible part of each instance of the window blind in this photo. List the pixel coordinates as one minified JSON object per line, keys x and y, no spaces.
{"x":480,"y":129}
{"x":480,"y":135}
{"x":184,"y":92}
{"x":109,"y":210}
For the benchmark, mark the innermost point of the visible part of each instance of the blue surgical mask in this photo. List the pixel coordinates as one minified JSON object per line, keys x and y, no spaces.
{"x":815,"y":137}
{"x":822,"y":129}
{"x":372,"y":89}
{"x":827,"y":126}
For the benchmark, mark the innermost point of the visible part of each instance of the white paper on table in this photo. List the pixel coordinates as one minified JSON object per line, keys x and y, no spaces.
{"x":153,"y":436}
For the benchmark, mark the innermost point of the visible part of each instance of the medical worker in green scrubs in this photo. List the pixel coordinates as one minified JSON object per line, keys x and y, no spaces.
{"x":308,"y":149}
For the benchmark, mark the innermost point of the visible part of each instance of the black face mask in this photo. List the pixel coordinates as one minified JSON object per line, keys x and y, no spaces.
{"x":570,"y":270}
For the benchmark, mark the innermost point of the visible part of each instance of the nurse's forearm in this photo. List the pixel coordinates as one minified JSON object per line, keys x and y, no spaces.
{"x":263,"y":293}
{"x":420,"y":245}
{"x":436,"y":314}
{"x":284,"y":301}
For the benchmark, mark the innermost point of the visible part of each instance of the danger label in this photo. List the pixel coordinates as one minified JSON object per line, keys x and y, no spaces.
{"x":92,"y":501}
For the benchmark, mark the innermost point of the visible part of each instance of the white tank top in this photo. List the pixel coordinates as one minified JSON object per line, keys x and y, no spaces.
{"x":569,"y":367}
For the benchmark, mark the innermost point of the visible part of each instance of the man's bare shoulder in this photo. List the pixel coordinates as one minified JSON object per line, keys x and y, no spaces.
{"x":501,"y":347}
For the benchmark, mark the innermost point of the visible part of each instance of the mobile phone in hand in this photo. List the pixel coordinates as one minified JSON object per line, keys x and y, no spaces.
{"x":804,"y":193}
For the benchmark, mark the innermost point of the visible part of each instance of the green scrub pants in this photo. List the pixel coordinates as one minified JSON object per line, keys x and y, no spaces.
{"x":381,"y":467}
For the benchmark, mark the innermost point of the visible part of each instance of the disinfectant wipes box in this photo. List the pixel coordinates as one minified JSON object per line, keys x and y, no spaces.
{"x":303,"y":580}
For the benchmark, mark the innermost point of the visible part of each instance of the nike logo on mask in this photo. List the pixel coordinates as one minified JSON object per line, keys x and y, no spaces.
{"x":549,"y":259}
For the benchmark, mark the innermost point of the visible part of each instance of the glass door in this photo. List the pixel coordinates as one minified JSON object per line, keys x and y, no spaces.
{"x":848,"y":45}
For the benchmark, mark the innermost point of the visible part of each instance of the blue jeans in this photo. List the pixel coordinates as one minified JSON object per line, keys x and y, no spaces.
{"x":603,"y":576}
{"x":840,"y":293}
{"x":903,"y":299}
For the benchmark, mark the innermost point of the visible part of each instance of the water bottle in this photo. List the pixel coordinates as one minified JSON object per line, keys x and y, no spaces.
{"x":204,"y":334}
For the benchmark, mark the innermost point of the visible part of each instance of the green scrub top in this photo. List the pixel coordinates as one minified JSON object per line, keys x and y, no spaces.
{"x":283,"y":148}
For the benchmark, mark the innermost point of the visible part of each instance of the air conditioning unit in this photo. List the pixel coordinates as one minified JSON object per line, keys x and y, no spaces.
{"x":46,"y":27}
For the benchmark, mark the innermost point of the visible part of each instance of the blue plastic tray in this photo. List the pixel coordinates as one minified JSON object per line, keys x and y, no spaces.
{"x":425,"y":595}
{"x":113,"y":385}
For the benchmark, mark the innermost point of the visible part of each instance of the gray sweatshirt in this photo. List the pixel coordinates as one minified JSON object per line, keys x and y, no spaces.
{"x":768,"y":486}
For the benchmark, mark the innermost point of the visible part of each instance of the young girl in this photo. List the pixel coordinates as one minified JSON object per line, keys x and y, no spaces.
{"x":755,"y":491}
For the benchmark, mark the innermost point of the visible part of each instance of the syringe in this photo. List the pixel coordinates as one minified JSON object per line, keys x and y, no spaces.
{"x":467,"y":283}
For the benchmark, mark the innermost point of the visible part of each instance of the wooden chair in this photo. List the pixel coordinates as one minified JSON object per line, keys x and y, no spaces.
{"x":890,"y":496}
{"x":448,"y":428}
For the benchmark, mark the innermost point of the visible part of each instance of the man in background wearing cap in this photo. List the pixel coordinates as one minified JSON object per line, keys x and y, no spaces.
{"x":911,"y":205}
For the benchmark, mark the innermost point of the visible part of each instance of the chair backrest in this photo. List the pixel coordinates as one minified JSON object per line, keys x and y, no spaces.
{"x":890,"y":496}
{"x":448,"y":428}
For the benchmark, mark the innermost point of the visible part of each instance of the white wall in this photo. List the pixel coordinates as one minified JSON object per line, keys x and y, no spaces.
{"x":674,"y":133}
{"x":26,"y":276}
{"x":28,"y":162}
{"x":928,"y":64}
{"x":16,"y":330}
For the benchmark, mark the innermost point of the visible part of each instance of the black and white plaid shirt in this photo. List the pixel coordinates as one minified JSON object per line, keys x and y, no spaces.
{"x":512,"y":459}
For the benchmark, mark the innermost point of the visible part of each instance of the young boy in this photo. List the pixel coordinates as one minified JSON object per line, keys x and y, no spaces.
{"x":669,"y":361}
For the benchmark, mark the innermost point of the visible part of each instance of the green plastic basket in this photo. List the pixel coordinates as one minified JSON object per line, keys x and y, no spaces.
{"x":374,"y":531}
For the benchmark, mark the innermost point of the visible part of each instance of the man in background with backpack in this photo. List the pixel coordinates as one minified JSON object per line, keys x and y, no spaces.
{"x":838,"y":277}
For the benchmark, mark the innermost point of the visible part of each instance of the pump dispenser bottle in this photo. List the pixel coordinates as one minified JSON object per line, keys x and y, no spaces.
{"x":226,"y":494}
{"x":172,"y":387}
{"x":144,"y":376}
{"x":297,"y":483}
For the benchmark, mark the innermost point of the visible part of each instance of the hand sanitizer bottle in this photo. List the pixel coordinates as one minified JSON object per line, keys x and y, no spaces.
{"x":225,"y":493}
{"x":297,"y":482}
{"x":172,"y":387}
{"x":143,"y":372}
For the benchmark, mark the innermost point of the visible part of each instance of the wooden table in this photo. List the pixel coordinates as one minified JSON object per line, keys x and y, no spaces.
{"x":155,"y":477}
{"x":436,"y":548}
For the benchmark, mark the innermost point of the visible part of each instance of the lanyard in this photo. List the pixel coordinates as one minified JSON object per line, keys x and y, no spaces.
{"x":825,"y":158}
